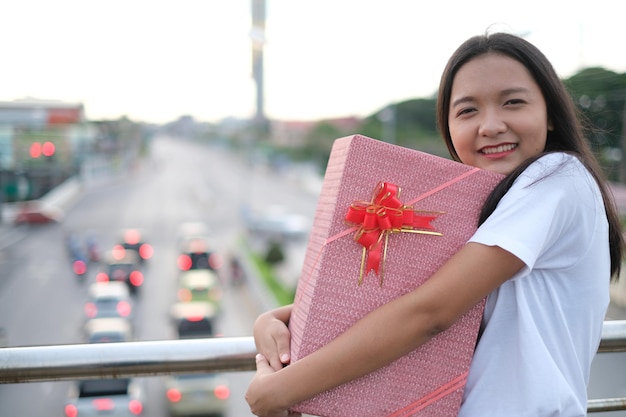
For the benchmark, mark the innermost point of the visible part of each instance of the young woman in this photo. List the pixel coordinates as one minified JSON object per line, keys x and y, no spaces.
{"x":548,"y":243}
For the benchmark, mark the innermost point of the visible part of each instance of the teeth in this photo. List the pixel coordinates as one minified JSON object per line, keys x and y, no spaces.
{"x":498,"y":149}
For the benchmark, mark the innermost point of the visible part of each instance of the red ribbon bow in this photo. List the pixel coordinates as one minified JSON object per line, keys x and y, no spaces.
{"x":385,"y":214}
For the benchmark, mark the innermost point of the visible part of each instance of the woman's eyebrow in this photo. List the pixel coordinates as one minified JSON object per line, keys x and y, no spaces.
{"x":514,"y":90}
{"x":465,"y":99}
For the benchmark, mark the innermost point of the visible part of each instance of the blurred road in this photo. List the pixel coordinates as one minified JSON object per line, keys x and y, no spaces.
{"x":41,"y":301}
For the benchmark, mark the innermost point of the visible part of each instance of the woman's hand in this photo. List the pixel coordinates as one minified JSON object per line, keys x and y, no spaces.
{"x":272,"y":337}
{"x":262,"y":399}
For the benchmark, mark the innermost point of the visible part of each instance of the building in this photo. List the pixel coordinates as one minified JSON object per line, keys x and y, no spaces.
{"x":41,"y":144}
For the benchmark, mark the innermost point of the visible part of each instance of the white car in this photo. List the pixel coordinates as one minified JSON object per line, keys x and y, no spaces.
{"x":108,"y":330}
{"x":109,"y":299}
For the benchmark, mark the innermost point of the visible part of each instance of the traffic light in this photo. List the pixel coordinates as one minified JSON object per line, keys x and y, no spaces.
{"x":47,"y":149}
{"x":38,"y":149}
{"x":35,"y":150}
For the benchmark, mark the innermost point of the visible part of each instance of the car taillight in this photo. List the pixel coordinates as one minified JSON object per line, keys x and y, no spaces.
{"x":173,"y":395}
{"x":123,"y":308}
{"x":184,"y":295}
{"x":222,"y":392}
{"x":118,"y":252}
{"x":184,"y":262}
{"x":136,"y":278}
{"x":135,"y":407}
{"x":91,"y":310}
{"x":103,"y":404}
{"x":71,"y":410}
{"x":216,"y":261}
{"x":80,"y":267}
{"x":146,"y":251}
{"x":102,"y":277}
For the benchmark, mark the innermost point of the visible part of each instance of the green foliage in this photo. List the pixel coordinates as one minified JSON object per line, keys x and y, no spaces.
{"x":265,"y":271}
{"x":282,"y":294}
{"x":320,"y":140}
{"x":414,"y":126}
{"x":600,"y":95}
{"x":275,"y":254}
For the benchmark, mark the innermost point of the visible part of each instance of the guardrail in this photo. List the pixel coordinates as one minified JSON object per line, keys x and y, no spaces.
{"x":152,"y":358}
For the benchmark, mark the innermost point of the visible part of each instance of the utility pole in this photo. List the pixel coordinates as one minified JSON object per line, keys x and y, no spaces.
{"x":257,"y":34}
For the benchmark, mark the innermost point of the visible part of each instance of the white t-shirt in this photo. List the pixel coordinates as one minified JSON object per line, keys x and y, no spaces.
{"x":541,"y":328}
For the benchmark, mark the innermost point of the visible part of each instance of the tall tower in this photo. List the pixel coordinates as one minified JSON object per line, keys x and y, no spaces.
{"x":257,"y":35}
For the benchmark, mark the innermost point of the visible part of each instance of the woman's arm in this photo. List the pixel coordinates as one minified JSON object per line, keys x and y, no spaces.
{"x":388,"y":332}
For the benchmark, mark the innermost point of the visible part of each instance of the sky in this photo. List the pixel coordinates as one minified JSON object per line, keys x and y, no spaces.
{"x":156,"y":60}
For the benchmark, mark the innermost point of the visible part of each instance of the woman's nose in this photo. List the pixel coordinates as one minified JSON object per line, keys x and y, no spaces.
{"x":491,"y":124}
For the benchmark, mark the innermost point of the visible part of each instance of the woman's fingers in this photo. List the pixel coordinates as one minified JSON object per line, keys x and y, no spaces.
{"x":262,"y":365}
{"x":278,"y":354}
{"x":283,"y":345}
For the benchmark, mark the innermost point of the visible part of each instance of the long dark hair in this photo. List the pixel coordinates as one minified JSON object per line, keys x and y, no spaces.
{"x":567,"y":134}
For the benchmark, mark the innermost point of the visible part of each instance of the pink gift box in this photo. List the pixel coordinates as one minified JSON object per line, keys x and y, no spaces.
{"x":430,"y":380}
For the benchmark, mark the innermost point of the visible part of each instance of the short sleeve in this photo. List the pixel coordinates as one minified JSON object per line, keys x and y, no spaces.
{"x":547,"y":217}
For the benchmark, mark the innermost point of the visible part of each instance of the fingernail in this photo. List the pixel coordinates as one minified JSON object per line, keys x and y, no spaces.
{"x":259,"y":357}
{"x":284,"y":357}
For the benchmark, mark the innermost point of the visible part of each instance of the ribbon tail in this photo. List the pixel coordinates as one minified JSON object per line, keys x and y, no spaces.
{"x":423,"y":222}
{"x":373,"y":259}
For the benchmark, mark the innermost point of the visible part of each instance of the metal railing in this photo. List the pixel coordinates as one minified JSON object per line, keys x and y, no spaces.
{"x":152,"y":358}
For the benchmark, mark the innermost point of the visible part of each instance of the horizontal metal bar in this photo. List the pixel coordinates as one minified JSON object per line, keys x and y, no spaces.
{"x":165,"y":357}
{"x":224,"y":354}
{"x":606,"y":404}
{"x":113,"y":360}
{"x":613,"y":336}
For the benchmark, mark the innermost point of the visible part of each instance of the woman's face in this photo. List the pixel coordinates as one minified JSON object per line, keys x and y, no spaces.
{"x":498,"y":115}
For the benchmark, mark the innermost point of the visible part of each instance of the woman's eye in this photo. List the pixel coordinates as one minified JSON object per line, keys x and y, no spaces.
{"x":514,"y":101}
{"x":464,"y":111}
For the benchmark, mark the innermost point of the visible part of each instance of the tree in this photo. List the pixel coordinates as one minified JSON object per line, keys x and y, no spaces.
{"x":600,"y":95}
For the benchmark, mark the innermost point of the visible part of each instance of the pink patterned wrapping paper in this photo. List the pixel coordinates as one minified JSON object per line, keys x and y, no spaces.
{"x":428,"y":381}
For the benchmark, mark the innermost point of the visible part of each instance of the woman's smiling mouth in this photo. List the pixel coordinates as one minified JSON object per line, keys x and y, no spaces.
{"x":493,"y":150}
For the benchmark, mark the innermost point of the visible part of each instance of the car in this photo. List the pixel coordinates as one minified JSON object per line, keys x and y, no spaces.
{"x":37,"y":212}
{"x":195,"y":319}
{"x":108,"y":330}
{"x":109,"y":300}
{"x":197,"y":253}
{"x":200,"y":285}
{"x":77,"y":255}
{"x":123,"y":397}
{"x":132,"y":241}
{"x":122,"y":266}
{"x":197,"y":394}
{"x":196,"y":247}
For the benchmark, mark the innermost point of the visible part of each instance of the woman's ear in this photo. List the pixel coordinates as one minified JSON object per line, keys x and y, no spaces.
{"x":550,"y":126}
